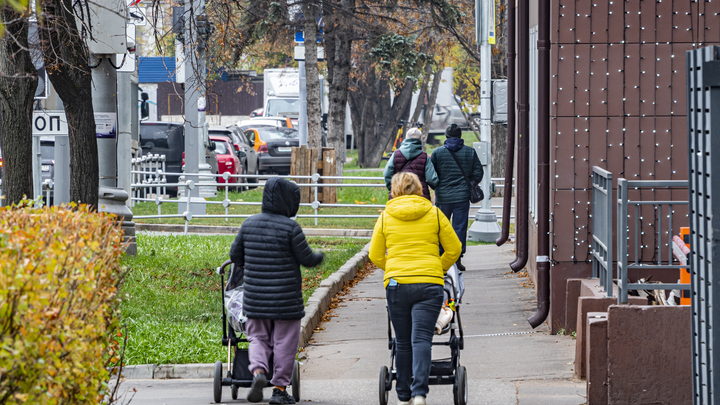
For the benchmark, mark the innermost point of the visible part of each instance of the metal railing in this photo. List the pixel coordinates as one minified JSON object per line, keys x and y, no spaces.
{"x":602,"y":237}
{"x":623,"y":204}
{"x":148,"y":170}
{"x":150,"y":185}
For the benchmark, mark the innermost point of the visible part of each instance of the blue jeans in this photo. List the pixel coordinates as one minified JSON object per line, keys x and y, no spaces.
{"x":414,"y":309}
{"x":459,"y":213}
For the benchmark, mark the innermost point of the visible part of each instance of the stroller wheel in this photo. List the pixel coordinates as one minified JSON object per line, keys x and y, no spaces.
{"x":460,"y":389}
{"x":217,"y":382}
{"x":233,"y":391}
{"x":295,"y":381}
{"x":384,"y":377}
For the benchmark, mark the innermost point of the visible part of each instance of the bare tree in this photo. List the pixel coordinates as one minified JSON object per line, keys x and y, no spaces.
{"x":18,"y":81}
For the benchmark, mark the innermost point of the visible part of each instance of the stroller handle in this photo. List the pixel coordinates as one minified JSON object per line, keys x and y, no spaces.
{"x":221,"y":270}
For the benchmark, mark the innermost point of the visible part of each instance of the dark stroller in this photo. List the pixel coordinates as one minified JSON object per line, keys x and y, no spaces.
{"x":237,"y":374}
{"x":443,"y":372}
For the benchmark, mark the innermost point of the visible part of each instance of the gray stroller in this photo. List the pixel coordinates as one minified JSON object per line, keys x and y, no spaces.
{"x":237,"y":374}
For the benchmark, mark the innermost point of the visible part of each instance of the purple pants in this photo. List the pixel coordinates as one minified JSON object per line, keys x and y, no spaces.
{"x":277,"y":338}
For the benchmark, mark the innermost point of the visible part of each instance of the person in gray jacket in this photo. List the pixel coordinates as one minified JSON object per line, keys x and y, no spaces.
{"x":409,"y":157}
{"x":452,"y":194}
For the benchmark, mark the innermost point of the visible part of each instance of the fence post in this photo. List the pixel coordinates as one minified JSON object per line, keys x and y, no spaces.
{"x":609,"y":202}
{"x":622,"y":231}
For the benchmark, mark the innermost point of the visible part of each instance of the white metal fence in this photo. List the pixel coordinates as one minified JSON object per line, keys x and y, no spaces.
{"x":150,"y":185}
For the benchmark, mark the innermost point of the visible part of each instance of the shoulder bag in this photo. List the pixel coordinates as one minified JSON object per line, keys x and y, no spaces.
{"x":476,"y":193}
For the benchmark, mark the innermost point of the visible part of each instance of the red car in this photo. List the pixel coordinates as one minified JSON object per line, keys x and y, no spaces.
{"x":227,"y":160}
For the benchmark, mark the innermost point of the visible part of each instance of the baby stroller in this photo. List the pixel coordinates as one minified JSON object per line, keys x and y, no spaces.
{"x":237,"y":374}
{"x":446,"y":371}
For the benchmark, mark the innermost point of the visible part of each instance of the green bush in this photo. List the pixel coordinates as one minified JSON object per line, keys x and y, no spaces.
{"x":58,"y":304}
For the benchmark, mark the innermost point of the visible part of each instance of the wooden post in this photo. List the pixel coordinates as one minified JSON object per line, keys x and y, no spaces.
{"x":329,"y":163}
{"x":303,"y":162}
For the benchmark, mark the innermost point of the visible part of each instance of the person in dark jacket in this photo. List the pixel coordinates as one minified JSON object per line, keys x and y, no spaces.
{"x":409,"y":157}
{"x":452,"y":194}
{"x":271,"y":247}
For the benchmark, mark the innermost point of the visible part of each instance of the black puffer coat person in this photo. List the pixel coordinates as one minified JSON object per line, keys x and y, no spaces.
{"x":271,"y":247}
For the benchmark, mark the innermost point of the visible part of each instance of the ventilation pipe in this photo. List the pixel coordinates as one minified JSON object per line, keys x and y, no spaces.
{"x":543,"y":242}
{"x":522,"y":206}
{"x":510,"y":151}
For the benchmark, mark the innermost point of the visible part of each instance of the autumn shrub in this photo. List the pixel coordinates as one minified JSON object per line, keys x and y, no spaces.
{"x":58,"y":304}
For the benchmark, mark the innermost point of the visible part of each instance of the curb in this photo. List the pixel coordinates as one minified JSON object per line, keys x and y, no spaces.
{"x":316,"y":306}
{"x":357,"y":233}
{"x":319,"y":301}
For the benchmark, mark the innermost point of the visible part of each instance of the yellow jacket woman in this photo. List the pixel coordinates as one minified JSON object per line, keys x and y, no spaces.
{"x":411,"y":231}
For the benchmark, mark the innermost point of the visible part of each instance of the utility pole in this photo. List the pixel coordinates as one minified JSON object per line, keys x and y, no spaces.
{"x":485,"y":228}
{"x":302,"y":120}
{"x":195,"y":31}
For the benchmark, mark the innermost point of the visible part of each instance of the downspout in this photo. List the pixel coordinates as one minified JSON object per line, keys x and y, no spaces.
{"x":543,"y":241}
{"x":522,"y":206}
{"x":510,"y":151}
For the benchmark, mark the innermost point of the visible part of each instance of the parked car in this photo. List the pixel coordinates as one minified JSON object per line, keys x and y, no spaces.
{"x":256,"y":113}
{"x":243,"y":148}
{"x":274,"y":147}
{"x":283,"y":122}
{"x":228,"y":161}
{"x":168,"y":138}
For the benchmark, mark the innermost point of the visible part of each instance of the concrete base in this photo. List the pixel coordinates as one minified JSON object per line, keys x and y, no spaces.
{"x":585,"y":306}
{"x":207,"y":177}
{"x":197,"y":205}
{"x":596,"y":358}
{"x":649,"y":355}
{"x":112,"y":200}
{"x":485,"y":228}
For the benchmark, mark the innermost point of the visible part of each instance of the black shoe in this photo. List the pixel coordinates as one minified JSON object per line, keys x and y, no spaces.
{"x":259,"y":382}
{"x":460,"y":265}
{"x":281,"y":397}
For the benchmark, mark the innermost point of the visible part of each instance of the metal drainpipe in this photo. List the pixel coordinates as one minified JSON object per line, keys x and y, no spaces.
{"x":510,"y":151}
{"x":522,"y":206}
{"x":543,"y":242}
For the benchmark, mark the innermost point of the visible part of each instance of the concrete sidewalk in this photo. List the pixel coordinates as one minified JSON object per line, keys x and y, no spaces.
{"x":507,"y":362}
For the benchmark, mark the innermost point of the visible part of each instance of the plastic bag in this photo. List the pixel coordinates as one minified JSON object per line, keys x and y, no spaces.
{"x":234,"y":306}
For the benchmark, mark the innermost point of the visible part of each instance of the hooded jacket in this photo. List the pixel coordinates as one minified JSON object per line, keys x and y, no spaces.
{"x":411,"y":230}
{"x":271,"y":247}
{"x":411,"y":149}
{"x":452,"y":187}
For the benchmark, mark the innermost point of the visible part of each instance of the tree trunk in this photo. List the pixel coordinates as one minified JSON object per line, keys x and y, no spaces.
{"x":338,"y":96}
{"x":66,"y":57}
{"x":380,"y":118}
{"x":431,"y":104}
{"x":312,"y":76}
{"x":421,"y":96}
{"x":18,"y":81}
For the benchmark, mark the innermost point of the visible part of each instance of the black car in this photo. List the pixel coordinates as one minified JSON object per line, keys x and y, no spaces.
{"x":274,"y":146}
{"x":168,"y":138}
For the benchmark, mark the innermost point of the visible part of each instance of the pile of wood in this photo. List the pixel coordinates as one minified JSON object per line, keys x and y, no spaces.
{"x":308,"y":161}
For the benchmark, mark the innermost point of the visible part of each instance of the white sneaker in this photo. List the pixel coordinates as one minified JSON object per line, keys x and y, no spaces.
{"x":404,"y":403}
{"x":418,"y":401}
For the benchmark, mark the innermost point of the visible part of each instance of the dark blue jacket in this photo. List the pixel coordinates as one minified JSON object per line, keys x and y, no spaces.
{"x":271,"y":247}
{"x":452,"y":187}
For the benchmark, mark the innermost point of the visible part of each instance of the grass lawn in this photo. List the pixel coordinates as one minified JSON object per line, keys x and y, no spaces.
{"x":172,"y":308}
